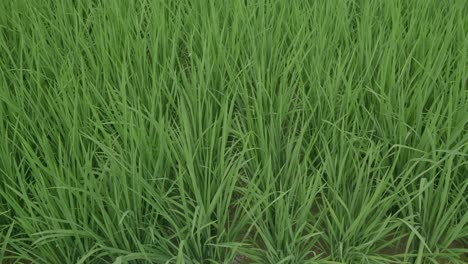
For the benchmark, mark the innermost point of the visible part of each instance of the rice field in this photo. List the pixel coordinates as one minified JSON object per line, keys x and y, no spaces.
{"x":232,"y":131}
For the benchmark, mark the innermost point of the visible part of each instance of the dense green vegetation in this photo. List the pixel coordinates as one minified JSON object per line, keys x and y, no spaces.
{"x":203,"y":131}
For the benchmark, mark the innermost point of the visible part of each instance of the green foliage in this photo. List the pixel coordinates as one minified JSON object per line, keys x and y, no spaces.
{"x":204,"y":131}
